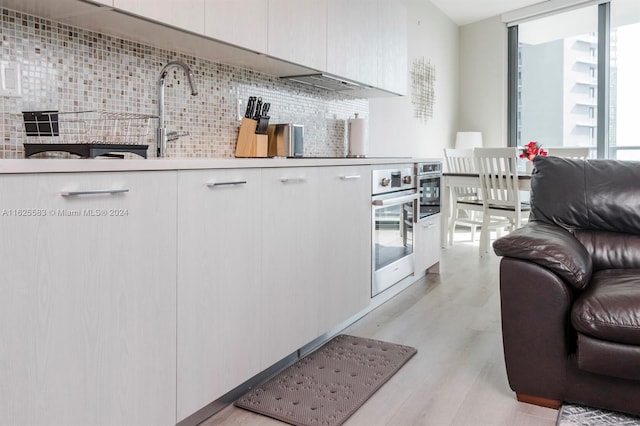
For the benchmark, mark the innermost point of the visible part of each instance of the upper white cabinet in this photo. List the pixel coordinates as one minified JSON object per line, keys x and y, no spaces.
{"x":88,"y":306}
{"x":352,"y":40}
{"x":184,"y":14}
{"x":218,"y":283}
{"x":367,"y":42}
{"x":239,"y":22}
{"x":298,"y":32}
{"x":56,"y":10}
{"x":392,"y":47}
{"x":360,"y":40}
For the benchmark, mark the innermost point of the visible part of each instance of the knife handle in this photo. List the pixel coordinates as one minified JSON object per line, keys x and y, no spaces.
{"x":258,"y":109}
{"x":249,"y":112}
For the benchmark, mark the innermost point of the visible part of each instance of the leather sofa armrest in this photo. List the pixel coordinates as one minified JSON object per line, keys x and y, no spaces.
{"x":535,"y":306}
{"x":549,"y":246}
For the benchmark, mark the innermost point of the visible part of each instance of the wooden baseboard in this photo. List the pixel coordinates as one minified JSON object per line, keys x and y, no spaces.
{"x":536,"y":400}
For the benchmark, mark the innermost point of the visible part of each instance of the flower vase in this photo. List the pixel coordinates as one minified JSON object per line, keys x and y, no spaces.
{"x":528,"y":167}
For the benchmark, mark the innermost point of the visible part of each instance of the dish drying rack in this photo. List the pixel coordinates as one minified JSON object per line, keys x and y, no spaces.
{"x":87,"y":133}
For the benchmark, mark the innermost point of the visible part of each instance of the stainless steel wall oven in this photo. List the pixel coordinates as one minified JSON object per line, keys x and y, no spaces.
{"x":428,"y":180}
{"x":394,"y":199}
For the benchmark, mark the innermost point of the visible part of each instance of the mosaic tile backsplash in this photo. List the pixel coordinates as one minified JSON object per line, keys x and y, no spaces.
{"x":69,"y":69}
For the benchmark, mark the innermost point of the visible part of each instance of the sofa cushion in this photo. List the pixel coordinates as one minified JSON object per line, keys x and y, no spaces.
{"x":587,"y":194}
{"x":610,"y":250}
{"x":609,"y":308}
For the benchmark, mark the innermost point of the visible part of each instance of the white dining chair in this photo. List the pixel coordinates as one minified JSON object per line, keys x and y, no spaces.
{"x":466,"y":205}
{"x":569,"y":152}
{"x":497,"y":168}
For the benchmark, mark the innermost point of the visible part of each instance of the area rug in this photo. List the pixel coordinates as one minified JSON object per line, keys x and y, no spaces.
{"x":577,"y":415}
{"x":330,"y":384}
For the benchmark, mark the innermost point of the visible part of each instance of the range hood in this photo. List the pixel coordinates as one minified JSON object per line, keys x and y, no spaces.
{"x":333,"y":83}
{"x":326,"y":81}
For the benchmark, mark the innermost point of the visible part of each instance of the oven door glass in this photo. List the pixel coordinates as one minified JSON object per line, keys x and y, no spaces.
{"x":392,"y":243}
{"x":393,"y":233}
{"x":429,"y":196}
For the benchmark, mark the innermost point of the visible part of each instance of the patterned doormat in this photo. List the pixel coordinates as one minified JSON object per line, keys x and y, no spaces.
{"x":330,"y":384}
{"x":577,"y":415}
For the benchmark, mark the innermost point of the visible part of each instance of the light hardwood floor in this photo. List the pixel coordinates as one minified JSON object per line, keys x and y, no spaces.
{"x":458,"y":375}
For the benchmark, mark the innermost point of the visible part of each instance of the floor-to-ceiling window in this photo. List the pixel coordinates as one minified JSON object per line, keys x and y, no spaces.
{"x":624,"y":108}
{"x":574,"y":79}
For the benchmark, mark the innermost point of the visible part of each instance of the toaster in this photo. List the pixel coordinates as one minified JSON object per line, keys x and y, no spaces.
{"x":286,"y":140}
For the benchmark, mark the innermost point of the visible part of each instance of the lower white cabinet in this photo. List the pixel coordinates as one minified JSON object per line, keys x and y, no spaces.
{"x":345,"y":244}
{"x":88,"y":302}
{"x":268,"y":260}
{"x":291,"y":210}
{"x":137,"y":298}
{"x":316,"y":255}
{"x":427,"y":246}
{"x":219,"y":299}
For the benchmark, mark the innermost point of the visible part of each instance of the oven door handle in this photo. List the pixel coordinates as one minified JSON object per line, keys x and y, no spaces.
{"x":393,"y":201}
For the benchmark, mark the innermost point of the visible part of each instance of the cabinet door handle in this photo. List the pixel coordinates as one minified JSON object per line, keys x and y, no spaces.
{"x":429,"y":225}
{"x":350,"y":177}
{"x":292,"y":180}
{"x":216,"y":184}
{"x":93,"y":192}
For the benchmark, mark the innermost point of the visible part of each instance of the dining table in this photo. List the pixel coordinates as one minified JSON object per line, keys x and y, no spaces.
{"x":469,"y":180}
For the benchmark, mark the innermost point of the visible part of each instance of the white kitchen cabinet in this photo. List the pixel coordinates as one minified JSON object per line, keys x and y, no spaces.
{"x":392,"y":47}
{"x":182,"y":14}
{"x":239,"y":22}
{"x":55,"y":10}
{"x":427,"y":246}
{"x":264,"y":267}
{"x":290,"y":269}
{"x":345,"y":241}
{"x":88,"y":306}
{"x":352,"y":40}
{"x":316,"y":256}
{"x":219,"y":235}
{"x":298,"y":32}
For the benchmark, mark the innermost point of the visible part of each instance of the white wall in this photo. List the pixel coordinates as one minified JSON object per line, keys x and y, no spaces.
{"x":393,"y":130}
{"x":483,"y":80}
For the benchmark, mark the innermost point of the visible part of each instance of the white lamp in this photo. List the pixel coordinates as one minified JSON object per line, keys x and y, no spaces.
{"x":468,"y":140}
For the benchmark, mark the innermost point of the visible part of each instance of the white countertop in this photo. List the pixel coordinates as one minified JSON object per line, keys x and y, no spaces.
{"x":13,"y":166}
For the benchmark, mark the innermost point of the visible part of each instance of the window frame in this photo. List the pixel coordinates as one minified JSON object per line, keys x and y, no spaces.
{"x":603,"y":80}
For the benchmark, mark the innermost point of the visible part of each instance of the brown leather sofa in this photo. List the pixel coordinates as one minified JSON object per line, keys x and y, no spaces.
{"x":570,"y":287}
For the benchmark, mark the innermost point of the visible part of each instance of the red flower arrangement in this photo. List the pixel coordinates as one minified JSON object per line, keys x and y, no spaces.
{"x":531,"y":150}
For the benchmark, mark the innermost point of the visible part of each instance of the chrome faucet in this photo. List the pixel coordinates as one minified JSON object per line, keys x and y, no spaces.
{"x":162,"y":135}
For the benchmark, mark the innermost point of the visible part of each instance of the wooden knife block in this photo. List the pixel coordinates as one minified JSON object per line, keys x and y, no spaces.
{"x":249,"y":143}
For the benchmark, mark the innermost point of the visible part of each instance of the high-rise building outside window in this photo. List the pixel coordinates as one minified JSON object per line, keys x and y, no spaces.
{"x":557,"y":82}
